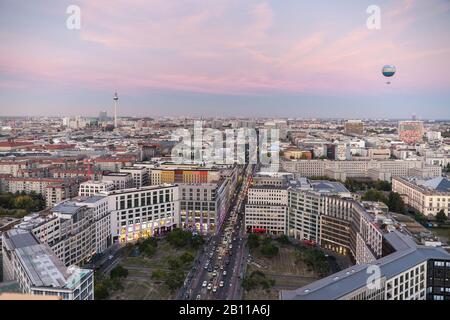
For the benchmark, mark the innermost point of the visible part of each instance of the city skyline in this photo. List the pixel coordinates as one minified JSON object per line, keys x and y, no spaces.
{"x":265,"y":58}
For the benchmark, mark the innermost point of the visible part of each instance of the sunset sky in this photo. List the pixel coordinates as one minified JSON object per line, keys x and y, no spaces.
{"x":288,"y":58}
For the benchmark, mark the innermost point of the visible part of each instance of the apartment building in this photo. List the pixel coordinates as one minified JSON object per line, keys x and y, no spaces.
{"x":143,"y":212}
{"x":90,"y":188}
{"x":425,"y":196}
{"x":12,"y":167}
{"x":410,"y":272}
{"x":139,"y":175}
{"x":38,"y":271}
{"x":114,"y":164}
{"x":204,"y":206}
{"x":56,"y":193}
{"x":54,"y":190}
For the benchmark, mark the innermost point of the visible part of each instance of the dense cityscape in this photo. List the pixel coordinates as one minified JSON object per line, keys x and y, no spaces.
{"x":104,"y":208}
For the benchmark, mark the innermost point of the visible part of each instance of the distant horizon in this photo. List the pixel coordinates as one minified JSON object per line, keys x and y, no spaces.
{"x":110,"y":118}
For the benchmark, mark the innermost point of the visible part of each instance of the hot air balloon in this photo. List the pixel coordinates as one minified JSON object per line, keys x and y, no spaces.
{"x":388,"y":71}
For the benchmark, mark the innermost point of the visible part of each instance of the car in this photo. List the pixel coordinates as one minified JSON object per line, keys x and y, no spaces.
{"x":221,"y":284}
{"x":214,"y":274}
{"x":198,"y":297}
{"x":110,"y":257}
{"x":214,"y":289}
{"x":206,"y":266}
{"x":209,"y":286}
{"x":221,"y":267}
{"x":210,"y":269}
{"x":224,"y":273}
{"x":204,"y":284}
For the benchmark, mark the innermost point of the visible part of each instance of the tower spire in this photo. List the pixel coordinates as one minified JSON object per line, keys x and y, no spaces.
{"x":116,"y":98}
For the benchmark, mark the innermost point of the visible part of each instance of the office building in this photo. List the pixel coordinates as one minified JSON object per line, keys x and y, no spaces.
{"x":143,"y":212}
{"x":354,"y":127}
{"x":410,"y":132}
{"x":410,"y":272}
{"x":38,"y":271}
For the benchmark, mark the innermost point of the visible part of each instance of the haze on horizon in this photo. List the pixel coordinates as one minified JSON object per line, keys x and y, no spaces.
{"x":226,"y":58}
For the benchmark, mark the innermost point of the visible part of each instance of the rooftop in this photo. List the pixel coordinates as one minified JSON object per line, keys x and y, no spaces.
{"x":338,"y":285}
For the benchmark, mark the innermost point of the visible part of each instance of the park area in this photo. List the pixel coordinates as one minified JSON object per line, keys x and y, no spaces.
{"x":152,"y":269}
{"x":288,"y":267}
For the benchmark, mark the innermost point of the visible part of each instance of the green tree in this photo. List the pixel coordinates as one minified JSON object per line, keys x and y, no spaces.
{"x":441,"y":217}
{"x":284,"y":239}
{"x":396,"y":203}
{"x":187,"y":257}
{"x":269,"y":250}
{"x":101,"y":291}
{"x":174,"y":280}
{"x":118,"y":272}
{"x":374,"y":195}
{"x":253,"y":241}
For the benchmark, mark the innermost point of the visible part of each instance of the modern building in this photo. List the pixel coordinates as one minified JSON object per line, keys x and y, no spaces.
{"x":75,"y":229}
{"x":204,"y":206}
{"x":38,"y":271}
{"x":90,"y":188}
{"x":354,"y":127}
{"x":139,"y":175}
{"x":323,"y":212}
{"x":121,"y":180}
{"x":143,"y":212}
{"x":410,"y":132}
{"x":266,"y":209}
{"x":410,"y":272}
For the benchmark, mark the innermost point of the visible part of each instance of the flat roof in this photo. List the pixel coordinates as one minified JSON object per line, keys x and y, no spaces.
{"x":340,"y":284}
{"x":66,"y":208}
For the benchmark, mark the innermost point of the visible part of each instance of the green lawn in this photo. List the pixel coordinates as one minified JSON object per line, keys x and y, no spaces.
{"x":442,"y":233}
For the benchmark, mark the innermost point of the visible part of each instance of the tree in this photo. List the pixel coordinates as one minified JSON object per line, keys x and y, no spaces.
{"x":284,"y":239}
{"x":187,"y":257}
{"x":179,"y":238}
{"x":396,"y":203}
{"x":441,"y":217}
{"x":101,"y":291}
{"x":374,"y":195}
{"x":253,"y":241}
{"x":269,"y":250}
{"x":175,"y":280}
{"x":118,"y":272}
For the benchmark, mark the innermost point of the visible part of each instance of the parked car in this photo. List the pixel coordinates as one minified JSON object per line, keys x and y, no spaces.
{"x":204,"y":284}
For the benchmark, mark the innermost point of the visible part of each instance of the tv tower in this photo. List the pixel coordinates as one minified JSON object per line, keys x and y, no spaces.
{"x":116,"y":98}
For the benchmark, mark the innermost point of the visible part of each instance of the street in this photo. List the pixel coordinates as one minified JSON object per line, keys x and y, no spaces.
{"x":220,"y":267}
